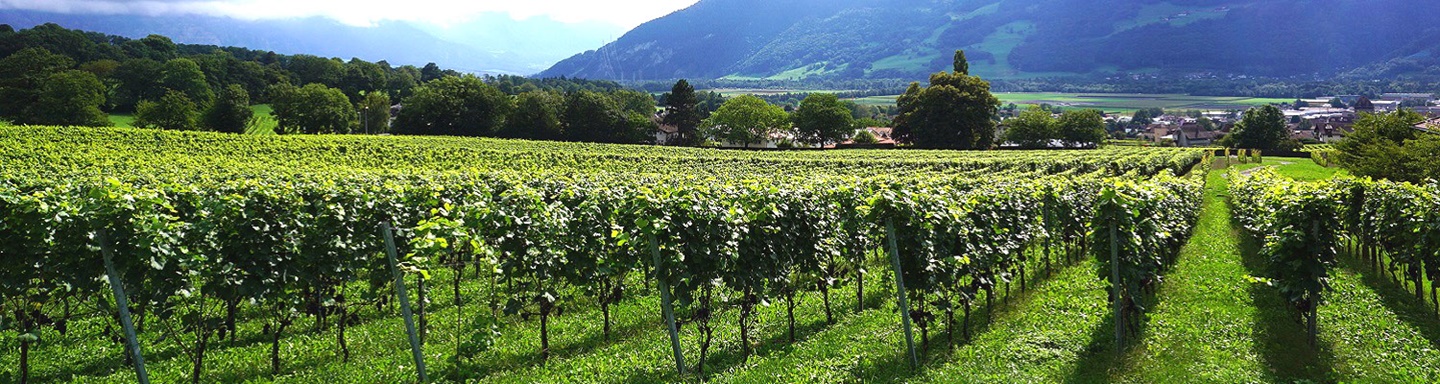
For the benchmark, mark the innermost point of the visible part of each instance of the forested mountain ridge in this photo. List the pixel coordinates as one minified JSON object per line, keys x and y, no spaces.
{"x":490,"y":43}
{"x":1014,"y":39}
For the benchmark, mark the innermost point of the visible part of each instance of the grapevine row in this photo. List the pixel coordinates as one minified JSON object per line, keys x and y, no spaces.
{"x":1305,"y":225}
{"x":196,"y":249}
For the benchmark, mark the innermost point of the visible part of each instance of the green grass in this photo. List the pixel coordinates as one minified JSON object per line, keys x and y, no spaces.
{"x":982,"y":11}
{"x":123,"y":120}
{"x":814,"y":69}
{"x":1371,"y":330}
{"x":860,"y":346}
{"x":1061,"y":333}
{"x":876,"y":100}
{"x":1118,"y":102}
{"x":1212,"y":322}
{"x":262,"y":111}
{"x":905,"y":61}
{"x":732,"y":92}
{"x":264,"y":123}
{"x":1295,"y":168}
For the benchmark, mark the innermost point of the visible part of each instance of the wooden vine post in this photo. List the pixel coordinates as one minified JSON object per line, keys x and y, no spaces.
{"x":1115,"y":287}
{"x":123,"y":304}
{"x":667,"y":307}
{"x":900,"y":292}
{"x":404,"y":301}
{"x":1312,"y":329}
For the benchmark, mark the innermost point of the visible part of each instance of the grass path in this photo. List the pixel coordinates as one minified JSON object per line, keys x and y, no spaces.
{"x":1212,"y":323}
{"x":1371,"y":330}
{"x":1061,"y":333}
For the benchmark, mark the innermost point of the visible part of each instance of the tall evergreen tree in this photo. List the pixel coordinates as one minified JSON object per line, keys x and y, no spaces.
{"x":682,"y":110}
{"x":962,"y":65}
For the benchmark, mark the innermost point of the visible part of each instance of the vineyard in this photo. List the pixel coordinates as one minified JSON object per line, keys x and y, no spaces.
{"x":211,"y":231}
{"x":1392,"y":227}
{"x":183,"y":256}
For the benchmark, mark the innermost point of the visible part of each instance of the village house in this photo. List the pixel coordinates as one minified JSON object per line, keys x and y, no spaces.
{"x":664,"y":133}
{"x":1191,"y":134}
{"x":883,"y":137}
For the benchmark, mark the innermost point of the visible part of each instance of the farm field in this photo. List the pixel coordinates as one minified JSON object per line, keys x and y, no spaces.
{"x":261,"y":258}
{"x":1113,"y":103}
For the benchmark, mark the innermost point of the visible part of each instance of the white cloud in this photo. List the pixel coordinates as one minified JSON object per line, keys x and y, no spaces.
{"x":624,"y":13}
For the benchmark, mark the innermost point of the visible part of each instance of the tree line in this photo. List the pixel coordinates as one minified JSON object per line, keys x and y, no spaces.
{"x":55,"y":76}
{"x":50,"y":75}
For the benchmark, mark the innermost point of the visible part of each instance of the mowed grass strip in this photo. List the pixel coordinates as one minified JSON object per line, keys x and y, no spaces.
{"x":265,"y":124}
{"x":1208,"y":325}
{"x":1373,"y":331}
{"x":1061,"y":332}
{"x":1303,"y":169}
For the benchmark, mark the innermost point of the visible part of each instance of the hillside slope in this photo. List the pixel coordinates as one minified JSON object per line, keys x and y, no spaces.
{"x":849,"y":39}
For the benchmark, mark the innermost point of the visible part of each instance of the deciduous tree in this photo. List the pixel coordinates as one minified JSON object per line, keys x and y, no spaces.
{"x":823,"y":119}
{"x":596,"y":117}
{"x":184,"y":75}
{"x":374,"y":111}
{"x":21,"y":76}
{"x":174,"y":111}
{"x":536,"y":116}
{"x":1261,"y":128}
{"x":314,"y":108}
{"x":1032,"y":128}
{"x":230,"y":112}
{"x":1387,"y":146}
{"x":746,"y":119}
{"x":454,"y":106}
{"x":139,"y":79}
{"x":70,"y":98}
{"x":1081,"y":128}
{"x":956,"y":111}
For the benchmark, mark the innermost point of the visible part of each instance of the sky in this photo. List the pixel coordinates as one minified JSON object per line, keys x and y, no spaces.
{"x":623,"y":13}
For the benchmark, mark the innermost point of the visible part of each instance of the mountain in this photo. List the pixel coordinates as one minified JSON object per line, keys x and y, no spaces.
{"x":1015,"y":39}
{"x":490,"y":43}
